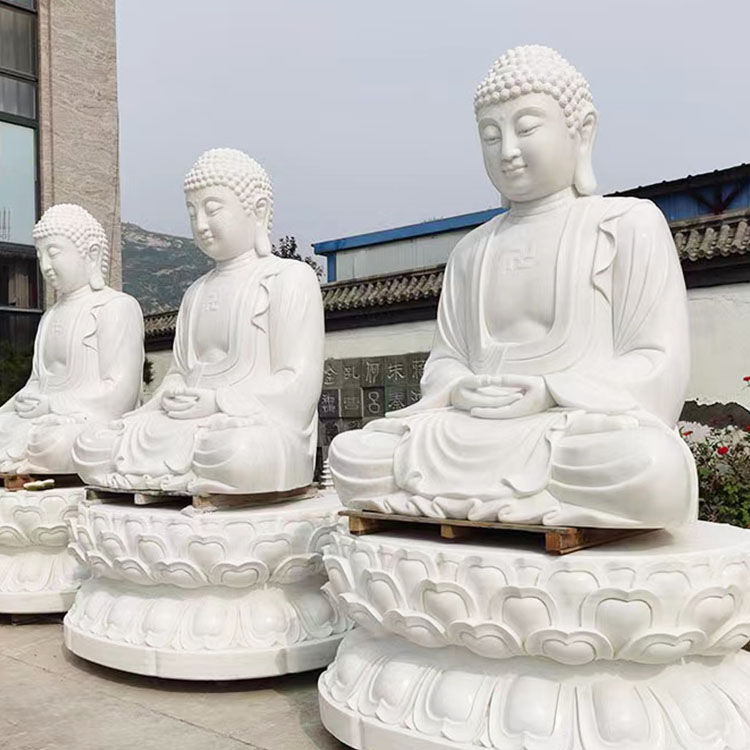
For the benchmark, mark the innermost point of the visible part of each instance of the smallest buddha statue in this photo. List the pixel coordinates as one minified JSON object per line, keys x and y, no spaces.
{"x":88,"y":353}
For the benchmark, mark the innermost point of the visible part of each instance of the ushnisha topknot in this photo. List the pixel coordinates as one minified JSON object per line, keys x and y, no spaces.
{"x":237,"y":171}
{"x":79,"y":226}
{"x":536,"y":69}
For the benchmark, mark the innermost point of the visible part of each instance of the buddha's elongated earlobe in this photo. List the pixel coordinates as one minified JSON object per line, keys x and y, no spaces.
{"x":584,"y":179}
{"x":262,"y":239}
{"x":93,"y":258}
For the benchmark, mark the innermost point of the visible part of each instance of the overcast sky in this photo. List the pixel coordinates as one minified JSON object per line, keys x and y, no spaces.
{"x":361,"y":110}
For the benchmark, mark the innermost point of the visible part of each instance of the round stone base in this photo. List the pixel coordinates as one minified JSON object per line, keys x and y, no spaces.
{"x":200,"y":635}
{"x":226,"y":595}
{"x":384,"y":693}
{"x":37,"y":572}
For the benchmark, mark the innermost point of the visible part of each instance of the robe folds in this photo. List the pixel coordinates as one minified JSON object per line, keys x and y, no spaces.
{"x":263,"y":435}
{"x":101,"y":380}
{"x":615,"y":361}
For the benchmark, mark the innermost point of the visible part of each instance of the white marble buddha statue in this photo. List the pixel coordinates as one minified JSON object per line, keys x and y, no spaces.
{"x":88,"y":353}
{"x":560,"y":361}
{"x":237,"y":410}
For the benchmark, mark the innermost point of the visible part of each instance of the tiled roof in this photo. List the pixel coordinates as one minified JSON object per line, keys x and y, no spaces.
{"x":386,"y":290}
{"x":160,"y":324}
{"x":713,"y":236}
{"x":696,"y":239}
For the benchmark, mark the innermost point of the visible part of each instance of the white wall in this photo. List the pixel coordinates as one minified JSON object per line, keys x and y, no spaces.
{"x":161,"y":361}
{"x":377,"y":341}
{"x":720,"y":334}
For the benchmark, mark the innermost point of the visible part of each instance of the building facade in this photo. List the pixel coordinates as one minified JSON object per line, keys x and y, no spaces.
{"x":58,"y":139}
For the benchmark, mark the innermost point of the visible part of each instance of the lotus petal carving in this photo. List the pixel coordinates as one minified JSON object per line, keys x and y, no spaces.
{"x":580,"y":610}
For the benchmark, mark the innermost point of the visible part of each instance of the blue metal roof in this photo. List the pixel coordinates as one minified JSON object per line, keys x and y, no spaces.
{"x":411,"y":230}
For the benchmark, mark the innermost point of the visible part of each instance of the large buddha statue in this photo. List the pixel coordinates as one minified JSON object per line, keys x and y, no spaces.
{"x":236,"y":412}
{"x":88,"y":353}
{"x":561,"y":357}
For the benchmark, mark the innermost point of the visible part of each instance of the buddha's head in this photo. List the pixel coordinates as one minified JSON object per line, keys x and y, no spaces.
{"x":72,"y":248}
{"x":537,"y":125}
{"x":230,"y":203}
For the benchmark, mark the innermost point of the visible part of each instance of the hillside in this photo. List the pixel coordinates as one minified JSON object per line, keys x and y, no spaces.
{"x":157,"y":268}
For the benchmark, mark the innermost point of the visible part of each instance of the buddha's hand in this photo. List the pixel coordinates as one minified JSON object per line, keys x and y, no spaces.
{"x":533,"y":399}
{"x":189,"y":403}
{"x":483,"y":391}
{"x":31,"y":405}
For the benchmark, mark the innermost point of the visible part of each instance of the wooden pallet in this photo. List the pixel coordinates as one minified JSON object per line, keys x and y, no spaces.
{"x":203,"y":502}
{"x":558,"y":540}
{"x":15,"y":482}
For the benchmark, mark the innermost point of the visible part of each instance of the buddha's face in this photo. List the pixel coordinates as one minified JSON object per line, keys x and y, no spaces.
{"x":63,"y":264}
{"x":529,"y":151}
{"x":221,"y":227}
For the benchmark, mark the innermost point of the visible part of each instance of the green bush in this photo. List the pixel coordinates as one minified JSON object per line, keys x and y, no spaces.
{"x":723,"y":461}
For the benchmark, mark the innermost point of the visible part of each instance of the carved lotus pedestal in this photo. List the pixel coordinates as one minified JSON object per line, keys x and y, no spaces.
{"x":220,"y":595}
{"x":635,"y":645}
{"x":37,"y":572}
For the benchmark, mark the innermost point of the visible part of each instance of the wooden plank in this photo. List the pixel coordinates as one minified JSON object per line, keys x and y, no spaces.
{"x":395,"y":517}
{"x":15,"y":482}
{"x":217,"y":501}
{"x":146,"y":498}
{"x":560,"y":543}
{"x":448,"y":531}
{"x":359,"y":526}
{"x":110,"y":495}
{"x":559,"y":540}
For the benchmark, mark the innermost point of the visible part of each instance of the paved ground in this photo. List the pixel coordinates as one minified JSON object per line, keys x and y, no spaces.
{"x":52,"y":700}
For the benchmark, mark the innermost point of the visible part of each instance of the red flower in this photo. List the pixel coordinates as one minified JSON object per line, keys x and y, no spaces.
{"x":687,"y":432}
{"x":722,"y":450}
{"x":746,"y":378}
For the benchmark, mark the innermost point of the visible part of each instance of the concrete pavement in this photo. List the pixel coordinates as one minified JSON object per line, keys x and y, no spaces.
{"x":52,"y":700}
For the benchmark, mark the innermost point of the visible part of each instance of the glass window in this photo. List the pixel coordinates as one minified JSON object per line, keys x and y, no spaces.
{"x":17,"y":97}
{"x":18,"y":283}
{"x":17,"y":183}
{"x":17,"y":41}
{"x":28,"y":4}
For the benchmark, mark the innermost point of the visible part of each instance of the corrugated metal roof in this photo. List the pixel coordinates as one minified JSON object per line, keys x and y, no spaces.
{"x":696,"y":239}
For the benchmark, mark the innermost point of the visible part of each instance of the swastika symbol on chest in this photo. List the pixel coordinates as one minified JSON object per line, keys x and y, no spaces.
{"x":519,"y":260}
{"x":212,"y":302}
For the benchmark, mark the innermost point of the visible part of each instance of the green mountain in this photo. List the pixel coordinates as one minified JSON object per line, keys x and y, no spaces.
{"x":157,"y":268}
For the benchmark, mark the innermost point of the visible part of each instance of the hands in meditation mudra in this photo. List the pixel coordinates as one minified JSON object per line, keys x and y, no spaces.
{"x":237,"y":410}
{"x":561,"y":356}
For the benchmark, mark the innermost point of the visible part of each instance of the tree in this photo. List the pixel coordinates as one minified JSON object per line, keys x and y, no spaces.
{"x":288,"y":249}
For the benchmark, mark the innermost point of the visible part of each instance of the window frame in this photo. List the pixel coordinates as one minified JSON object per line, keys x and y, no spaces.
{"x":11,"y":249}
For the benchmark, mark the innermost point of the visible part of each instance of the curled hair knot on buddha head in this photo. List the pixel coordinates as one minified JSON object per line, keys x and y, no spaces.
{"x":235,"y":170}
{"x":535,"y":69}
{"x":81,"y":228}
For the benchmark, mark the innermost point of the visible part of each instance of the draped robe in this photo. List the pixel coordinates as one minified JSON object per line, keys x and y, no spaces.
{"x":263,"y":435}
{"x":615,"y":361}
{"x":101,"y":380}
